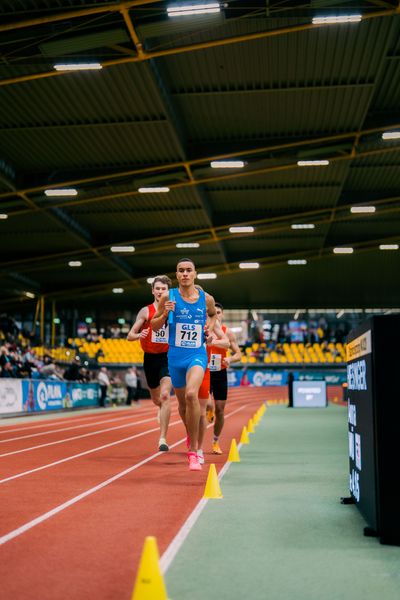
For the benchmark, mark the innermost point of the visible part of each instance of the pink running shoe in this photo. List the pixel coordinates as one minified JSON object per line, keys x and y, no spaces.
{"x":193,"y":459}
{"x":187,"y":442}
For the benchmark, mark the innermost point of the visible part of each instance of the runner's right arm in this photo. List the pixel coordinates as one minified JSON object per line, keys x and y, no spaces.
{"x":161,"y":315}
{"x":135,"y":332}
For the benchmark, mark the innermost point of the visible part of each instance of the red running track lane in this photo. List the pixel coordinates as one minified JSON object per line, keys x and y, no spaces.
{"x":92,"y":548}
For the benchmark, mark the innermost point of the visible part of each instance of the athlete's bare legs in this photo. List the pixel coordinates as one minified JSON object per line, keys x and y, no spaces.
{"x":219,"y":416}
{"x":161,"y":398}
{"x":189,"y":407}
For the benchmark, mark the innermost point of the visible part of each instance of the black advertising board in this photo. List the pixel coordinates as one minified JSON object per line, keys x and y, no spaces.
{"x":373,"y":398}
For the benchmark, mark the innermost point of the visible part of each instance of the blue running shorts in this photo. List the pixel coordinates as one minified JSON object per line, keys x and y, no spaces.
{"x":181,"y":360}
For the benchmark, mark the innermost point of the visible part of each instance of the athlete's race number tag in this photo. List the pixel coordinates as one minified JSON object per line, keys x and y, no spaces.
{"x":188,"y":335}
{"x":160,"y":336}
{"x":215,"y":362}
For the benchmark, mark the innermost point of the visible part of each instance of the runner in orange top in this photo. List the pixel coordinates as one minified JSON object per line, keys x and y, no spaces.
{"x":218,"y":364}
{"x":155,"y":363}
{"x":220,"y":341}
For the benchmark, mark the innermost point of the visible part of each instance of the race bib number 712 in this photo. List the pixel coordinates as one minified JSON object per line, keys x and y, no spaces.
{"x":188,"y":335}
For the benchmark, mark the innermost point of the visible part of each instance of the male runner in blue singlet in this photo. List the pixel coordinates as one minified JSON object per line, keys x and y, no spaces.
{"x":187,"y":357}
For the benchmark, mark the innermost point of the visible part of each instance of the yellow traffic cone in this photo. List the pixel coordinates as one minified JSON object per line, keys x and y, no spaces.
{"x":212,"y":489}
{"x":233,"y":455}
{"x":149,"y":584}
{"x":244,"y":438}
{"x":256,"y":418}
{"x":250,"y":426}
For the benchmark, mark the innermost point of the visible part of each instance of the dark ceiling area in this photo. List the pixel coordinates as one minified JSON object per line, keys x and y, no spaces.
{"x":300,"y":111}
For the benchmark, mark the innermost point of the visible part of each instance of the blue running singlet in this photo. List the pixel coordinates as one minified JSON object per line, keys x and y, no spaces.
{"x":186,"y":337}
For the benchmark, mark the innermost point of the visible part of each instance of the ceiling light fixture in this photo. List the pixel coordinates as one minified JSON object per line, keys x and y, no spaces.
{"x":207,"y":276}
{"x":95,"y":66}
{"x":244,"y":229}
{"x":122,"y":248}
{"x":188,"y":245}
{"x":61,"y":192}
{"x":391,"y":135}
{"x":299,"y":261}
{"x":343,"y":250}
{"x":182,"y":10}
{"x":118,"y":290}
{"x":227,"y":164}
{"x":249,"y":265}
{"x":153,"y":190}
{"x":336,"y":19}
{"x":30,"y":295}
{"x":362,"y":209}
{"x":74,"y":263}
{"x":312,"y":163}
{"x":3,"y":216}
{"x":302,"y":226}
{"x":389,"y":247}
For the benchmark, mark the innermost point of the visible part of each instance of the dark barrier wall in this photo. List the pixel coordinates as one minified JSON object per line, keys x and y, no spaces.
{"x":374,"y":417}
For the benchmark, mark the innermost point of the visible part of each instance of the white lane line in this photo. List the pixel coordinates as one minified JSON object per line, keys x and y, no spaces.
{"x":73,"y":456}
{"x":177,"y":542}
{"x":77,"y":437}
{"x":31,"y":435}
{"x":30,"y":524}
{"x":70,"y":416}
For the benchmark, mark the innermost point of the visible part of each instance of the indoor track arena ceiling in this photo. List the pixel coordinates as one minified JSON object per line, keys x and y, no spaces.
{"x":255,"y":81}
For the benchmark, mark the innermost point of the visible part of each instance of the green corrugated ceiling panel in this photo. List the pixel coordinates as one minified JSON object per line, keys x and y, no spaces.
{"x":84,"y":42}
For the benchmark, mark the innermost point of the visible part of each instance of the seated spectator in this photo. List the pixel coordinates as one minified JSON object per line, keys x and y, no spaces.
{"x":72,"y":373}
{"x":50,"y":371}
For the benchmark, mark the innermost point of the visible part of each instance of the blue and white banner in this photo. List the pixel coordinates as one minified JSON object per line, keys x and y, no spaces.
{"x":270,"y":377}
{"x":54,"y":395}
{"x":256,"y":377}
{"x":41,"y":395}
{"x":82,"y":394}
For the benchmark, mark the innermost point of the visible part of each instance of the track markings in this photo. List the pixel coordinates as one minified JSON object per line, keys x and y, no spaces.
{"x":77,"y":437}
{"x":93,"y":423}
{"x":47,"y":515}
{"x":73,"y":456}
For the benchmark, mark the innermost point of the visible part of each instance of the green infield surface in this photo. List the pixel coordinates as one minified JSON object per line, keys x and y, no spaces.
{"x":280,"y":531}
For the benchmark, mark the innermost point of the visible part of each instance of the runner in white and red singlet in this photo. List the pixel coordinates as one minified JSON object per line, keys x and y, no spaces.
{"x":155,"y":362}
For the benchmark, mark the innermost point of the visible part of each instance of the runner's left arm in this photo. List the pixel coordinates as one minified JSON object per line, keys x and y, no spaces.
{"x":234,"y":347}
{"x":211,"y":313}
{"x":219,"y":339}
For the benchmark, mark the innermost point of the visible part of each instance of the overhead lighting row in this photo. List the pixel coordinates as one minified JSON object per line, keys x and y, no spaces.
{"x":187,"y":10}
{"x":215,"y":164}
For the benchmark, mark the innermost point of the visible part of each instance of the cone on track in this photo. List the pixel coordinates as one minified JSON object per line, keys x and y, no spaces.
{"x":149,"y":584}
{"x":250,"y":426}
{"x":233,"y":455}
{"x":212,"y":489}
{"x":244,"y":438}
